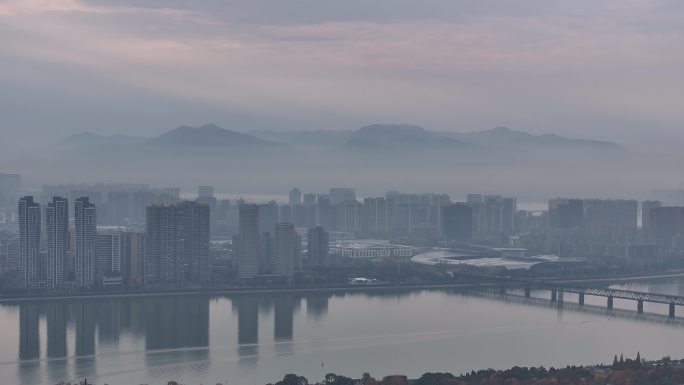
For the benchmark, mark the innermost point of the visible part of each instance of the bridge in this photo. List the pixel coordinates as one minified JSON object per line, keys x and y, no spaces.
{"x":557,"y":290}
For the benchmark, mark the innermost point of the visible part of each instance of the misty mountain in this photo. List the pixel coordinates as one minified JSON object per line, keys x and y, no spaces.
{"x":207,"y":135}
{"x":407,"y":136}
{"x":387,"y":136}
{"x":377,"y":156}
{"x":507,"y":136}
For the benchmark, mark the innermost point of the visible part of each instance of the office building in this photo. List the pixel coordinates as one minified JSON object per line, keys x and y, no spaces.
{"x":318,"y":246}
{"x":85,"y":233}
{"x":248,"y":241}
{"x":57,"y":229}
{"x":285,"y":249}
{"x":29,"y":240}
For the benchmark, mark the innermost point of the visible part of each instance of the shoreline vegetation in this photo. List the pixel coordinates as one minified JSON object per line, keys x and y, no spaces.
{"x":623,"y":371}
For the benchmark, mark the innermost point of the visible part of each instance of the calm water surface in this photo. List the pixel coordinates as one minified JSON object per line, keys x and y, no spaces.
{"x":254,"y":339}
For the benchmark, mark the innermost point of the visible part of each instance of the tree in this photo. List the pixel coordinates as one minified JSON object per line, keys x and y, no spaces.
{"x":293,"y":379}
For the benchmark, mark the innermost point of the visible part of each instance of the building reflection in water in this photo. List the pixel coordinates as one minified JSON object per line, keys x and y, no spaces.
{"x":29,"y":331}
{"x":247,"y":308}
{"x":285,"y":307}
{"x":175,"y":330}
{"x":84,"y":315}
{"x":29,"y":342}
{"x":56,"y":317}
{"x":109,"y":317}
{"x":56,"y":330}
{"x":317,"y":305}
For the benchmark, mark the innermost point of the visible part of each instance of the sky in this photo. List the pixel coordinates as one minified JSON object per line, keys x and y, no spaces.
{"x":609,"y":69}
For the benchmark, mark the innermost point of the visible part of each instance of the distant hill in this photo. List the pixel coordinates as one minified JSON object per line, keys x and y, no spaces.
{"x":207,"y":135}
{"x":403,"y":136}
{"x":367,"y":138}
{"x":507,"y":136}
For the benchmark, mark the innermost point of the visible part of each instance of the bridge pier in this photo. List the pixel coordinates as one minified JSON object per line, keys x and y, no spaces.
{"x":672,"y":310}
{"x":528,"y":292}
{"x":560,"y":297}
{"x":581,"y":299}
{"x":610,"y":302}
{"x":640,"y":306}
{"x":553,"y":295}
{"x":502,"y":290}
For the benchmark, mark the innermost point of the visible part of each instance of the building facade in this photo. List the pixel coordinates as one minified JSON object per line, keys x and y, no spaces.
{"x":85,"y":232}
{"x":29,"y":240}
{"x":57,"y":229}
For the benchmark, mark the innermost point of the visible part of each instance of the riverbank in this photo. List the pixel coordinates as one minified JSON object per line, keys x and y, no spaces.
{"x":299,"y":289}
{"x":237,"y":290}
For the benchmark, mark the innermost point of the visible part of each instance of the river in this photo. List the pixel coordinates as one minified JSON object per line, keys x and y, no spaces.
{"x":257,"y":338}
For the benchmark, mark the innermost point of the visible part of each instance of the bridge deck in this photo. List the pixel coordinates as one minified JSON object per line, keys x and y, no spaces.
{"x":600,"y":292}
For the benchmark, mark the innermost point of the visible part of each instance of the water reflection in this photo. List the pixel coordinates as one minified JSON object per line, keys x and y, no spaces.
{"x":29,"y":332}
{"x":169,"y":336}
{"x":285,"y":307}
{"x":247,"y":308}
{"x":317,"y":305}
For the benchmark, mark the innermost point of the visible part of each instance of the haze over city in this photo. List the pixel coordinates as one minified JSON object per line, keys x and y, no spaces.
{"x":376,"y":192}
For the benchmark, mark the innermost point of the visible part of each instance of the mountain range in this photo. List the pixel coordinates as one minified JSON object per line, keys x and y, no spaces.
{"x":374,"y":137}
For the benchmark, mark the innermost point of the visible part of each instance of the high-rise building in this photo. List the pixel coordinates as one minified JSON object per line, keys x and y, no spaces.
{"x":667,"y":225}
{"x":57,"y":229}
{"x":295,"y":196}
{"x":85,"y":232}
{"x":457,"y":222}
{"x":318,"y":246}
{"x":341,"y":194}
{"x":205,"y":191}
{"x":347,"y":216}
{"x":29,"y":240}
{"x":285,"y":249}
{"x":134,"y":258}
{"x":177,"y":243}
{"x":248,"y":241}
{"x":566,"y":213}
{"x":268,"y":217}
{"x":323,"y":213}
{"x":10,"y":186}
{"x":310,"y":199}
{"x":611,"y":216}
{"x":375,"y":216}
{"x":646,"y":207}
{"x":110,"y":250}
